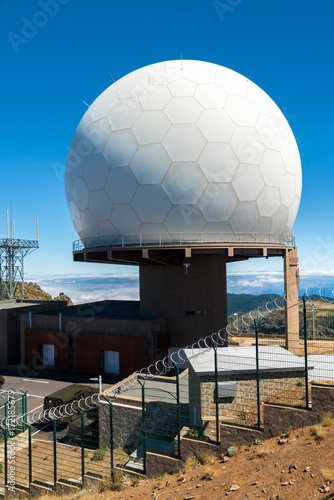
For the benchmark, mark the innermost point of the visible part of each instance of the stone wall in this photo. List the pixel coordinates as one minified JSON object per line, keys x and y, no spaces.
{"x":233,"y":435}
{"x":197,"y":447}
{"x":156,"y":464}
{"x":279,"y":419}
{"x":322,"y":399}
{"x":241,"y":409}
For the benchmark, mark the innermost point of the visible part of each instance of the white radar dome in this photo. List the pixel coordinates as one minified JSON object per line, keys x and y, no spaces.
{"x":183,"y":150}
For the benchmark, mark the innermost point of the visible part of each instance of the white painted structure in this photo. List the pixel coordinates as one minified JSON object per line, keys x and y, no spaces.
{"x":182,"y":147}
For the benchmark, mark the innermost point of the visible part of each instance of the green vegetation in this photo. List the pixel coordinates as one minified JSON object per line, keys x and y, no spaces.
{"x":98,"y":455}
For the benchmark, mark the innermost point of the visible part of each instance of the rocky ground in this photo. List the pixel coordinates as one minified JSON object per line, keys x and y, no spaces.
{"x":298,"y":465}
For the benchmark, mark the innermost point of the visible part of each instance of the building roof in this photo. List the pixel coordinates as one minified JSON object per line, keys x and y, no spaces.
{"x":14,"y":304}
{"x":242,"y":360}
{"x":116,"y":309}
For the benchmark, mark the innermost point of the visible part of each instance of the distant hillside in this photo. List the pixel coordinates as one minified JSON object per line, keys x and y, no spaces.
{"x":32,"y":291}
{"x":245,"y":302}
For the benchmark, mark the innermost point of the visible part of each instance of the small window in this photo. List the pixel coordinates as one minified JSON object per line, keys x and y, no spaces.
{"x":195,"y":313}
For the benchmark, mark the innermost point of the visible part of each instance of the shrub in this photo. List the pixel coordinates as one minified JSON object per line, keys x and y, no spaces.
{"x":318,"y":432}
{"x":327,"y":420}
{"x":231,"y":451}
{"x":98,"y":455}
{"x":208,"y":459}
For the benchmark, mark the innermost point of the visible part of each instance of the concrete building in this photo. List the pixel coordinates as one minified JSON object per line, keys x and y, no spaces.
{"x":11,"y":352}
{"x":107,"y":337}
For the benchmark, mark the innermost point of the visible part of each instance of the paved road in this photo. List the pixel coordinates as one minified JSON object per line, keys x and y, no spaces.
{"x":47,"y":383}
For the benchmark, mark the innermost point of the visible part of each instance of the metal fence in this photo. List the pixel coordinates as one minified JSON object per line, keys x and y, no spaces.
{"x":153,"y":413}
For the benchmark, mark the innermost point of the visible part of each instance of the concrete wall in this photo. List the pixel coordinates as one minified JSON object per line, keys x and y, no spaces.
{"x":171,"y":291}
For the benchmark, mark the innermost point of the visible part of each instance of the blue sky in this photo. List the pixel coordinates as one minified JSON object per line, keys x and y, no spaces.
{"x":55,"y":54}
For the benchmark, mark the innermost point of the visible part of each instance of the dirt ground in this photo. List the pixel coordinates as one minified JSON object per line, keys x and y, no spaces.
{"x":298,"y":465}
{"x":297,"y":469}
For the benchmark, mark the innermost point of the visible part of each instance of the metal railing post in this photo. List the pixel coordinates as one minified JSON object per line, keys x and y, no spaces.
{"x":82,"y":446}
{"x":111,"y":438}
{"x":54,"y":432}
{"x":216,"y":393}
{"x":257,"y":376}
{"x":30,"y":455}
{"x":305,"y":354}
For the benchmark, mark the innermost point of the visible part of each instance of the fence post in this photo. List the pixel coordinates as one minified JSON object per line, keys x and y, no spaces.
{"x":144,"y":425}
{"x":111,"y":438}
{"x":82,"y":446}
{"x":178,"y":411}
{"x":216,"y":393}
{"x":305,"y":354}
{"x":257,"y":376}
{"x":54,"y":431}
{"x":6,"y":455}
{"x":30,"y":455}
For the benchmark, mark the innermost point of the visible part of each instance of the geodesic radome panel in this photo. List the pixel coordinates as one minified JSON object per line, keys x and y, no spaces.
{"x":182,"y":147}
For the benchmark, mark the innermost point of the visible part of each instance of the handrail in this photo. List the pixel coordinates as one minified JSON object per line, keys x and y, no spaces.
{"x":181,"y":239}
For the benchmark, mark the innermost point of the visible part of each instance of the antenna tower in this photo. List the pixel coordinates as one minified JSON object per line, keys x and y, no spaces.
{"x":12,"y":253}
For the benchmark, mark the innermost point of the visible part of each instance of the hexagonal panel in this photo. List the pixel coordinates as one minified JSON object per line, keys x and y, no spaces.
{"x":210,"y":96}
{"x":80,"y":194}
{"x":89,"y":223}
{"x":151,"y":127}
{"x":106,"y":228}
{"x":75,"y":216}
{"x":270,"y":135}
{"x":151,"y":203}
{"x":293,"y":211}
{"x":183,"y":110}
{"x":184,"y":182}
{"x":231,"y":82}
{"x":218,"y":202}
{"x":272,"y":168}
{"x":155,"y":228}
{"x":155,"y":97}
{"x":260,"y":99}
{"x":182,"y":87}
{"x":103,"y":104}
{"x":150,"y":164}
{"x":120,"y":148}
{"x":269,"y":201}
{"x":262,"y":226}
{"x":218,"y":227}
{"x":241,"y":111}
{"x":280,"y":220}
{"x":95,"y":172}
{"x":100,"y":204}
{"x":218,"y":162}
{"x":198,"y":74}
{"x":165,"y":76}
{"x":248,"y":182}
{"x":289,"y":156}
{"x":124,"y":113}
{"x":124,"y":219}
{"x":244,"y":217}
{"x":247,"y":145}
{"x":133,"y":87}
{"x":95,"y":135}
{"x":121,"y":185}
{"x":68,"y":185}
{"x":288,"y":189}
{"x":216,"y":125}
{"x":298,"y":178}
{"x":183,"y":142}
{"x":184,"y":219}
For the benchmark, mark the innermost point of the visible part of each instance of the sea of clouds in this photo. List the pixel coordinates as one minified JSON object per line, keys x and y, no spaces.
{"x":125,"y":286}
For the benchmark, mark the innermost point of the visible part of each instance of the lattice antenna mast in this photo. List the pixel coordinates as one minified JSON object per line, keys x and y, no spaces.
{"x":12,"y":253}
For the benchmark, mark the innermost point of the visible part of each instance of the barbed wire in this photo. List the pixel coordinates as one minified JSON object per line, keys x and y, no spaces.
{"x":162,"y":367}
